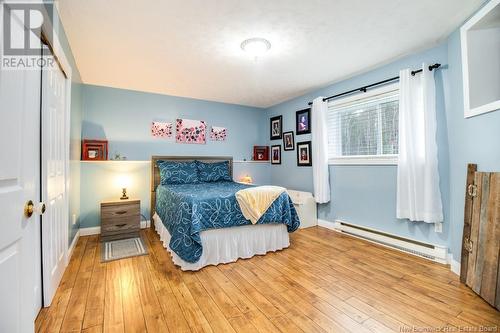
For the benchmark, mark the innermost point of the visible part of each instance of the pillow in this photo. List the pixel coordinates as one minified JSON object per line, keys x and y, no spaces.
{"x":172,"y":172}
{"x":214,"y":172}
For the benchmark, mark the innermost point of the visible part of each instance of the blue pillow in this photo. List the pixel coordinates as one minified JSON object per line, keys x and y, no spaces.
{"x":214,"y":172}
{"x":172,"y":172}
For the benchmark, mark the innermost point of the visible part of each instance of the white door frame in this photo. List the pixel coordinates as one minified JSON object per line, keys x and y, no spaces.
{"x":60,"y":56}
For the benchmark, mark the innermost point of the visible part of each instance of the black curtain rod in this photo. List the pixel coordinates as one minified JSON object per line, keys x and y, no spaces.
{"x":363,"y":89}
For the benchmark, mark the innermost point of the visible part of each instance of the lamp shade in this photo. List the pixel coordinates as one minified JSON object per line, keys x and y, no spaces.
{"x":123,"y":181}
{"x":246,"y":179}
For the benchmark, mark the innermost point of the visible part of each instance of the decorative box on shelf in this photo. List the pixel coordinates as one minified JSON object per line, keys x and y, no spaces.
{"x":94,"y":150}
{"x":261,"y":153}
{"x":120,"y":219}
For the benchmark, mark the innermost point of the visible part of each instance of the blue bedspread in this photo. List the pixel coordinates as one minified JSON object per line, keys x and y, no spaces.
{"x":188,"y":209}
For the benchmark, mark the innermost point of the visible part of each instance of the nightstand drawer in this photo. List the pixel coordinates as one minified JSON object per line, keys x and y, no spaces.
{"x":120,"y":211}
{"x":121,"y":225}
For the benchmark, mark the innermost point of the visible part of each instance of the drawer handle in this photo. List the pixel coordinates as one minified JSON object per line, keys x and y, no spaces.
{"x":120,"y":225}
{"x":121,"y":212}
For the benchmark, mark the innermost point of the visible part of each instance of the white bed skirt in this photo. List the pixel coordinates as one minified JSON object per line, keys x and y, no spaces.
{"x":229,"y":244}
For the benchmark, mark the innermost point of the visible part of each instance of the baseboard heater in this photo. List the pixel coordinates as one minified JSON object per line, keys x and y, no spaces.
{"x":432,"y":252}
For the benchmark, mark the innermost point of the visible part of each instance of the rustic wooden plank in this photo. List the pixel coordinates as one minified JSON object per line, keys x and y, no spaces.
{"x":471,"y":169}
{"x":172,"y":312}
{"x":113,"y":309}
{"x":93,"y":329}
{"x":214,"y":316}
{"x":73,"y":319}
{"x":490,"y":244}
{"x":481,"y":239}
{"x":94,"y":309}
{"x":153,"y":315}
{"x":497,"y":297}
{"x":241,"y":324}
{"x":474,"y":233}
{"x":133,"y":316}
{"x":228,"y":308}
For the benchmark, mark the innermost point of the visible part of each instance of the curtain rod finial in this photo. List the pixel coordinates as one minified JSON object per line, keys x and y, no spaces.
{"x":435,"y":66}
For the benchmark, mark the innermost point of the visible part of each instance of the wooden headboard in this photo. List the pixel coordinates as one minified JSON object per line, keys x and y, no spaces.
{"x":155,"y":171}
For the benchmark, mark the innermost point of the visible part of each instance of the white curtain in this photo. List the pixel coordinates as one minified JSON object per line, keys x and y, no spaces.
{"x":321,"y":177}
{"x":418,"y":193}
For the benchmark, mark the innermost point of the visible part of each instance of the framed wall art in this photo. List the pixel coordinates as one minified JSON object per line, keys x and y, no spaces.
{"x":276,"y":127}
{"x":190,"y":131}
{"x":288,"y":141}
{"x":276,"y":154}
{"x":304,"y":157}
{"x":218,"y":133}
{"x":303,"y":121}
{"x":161,"y":129}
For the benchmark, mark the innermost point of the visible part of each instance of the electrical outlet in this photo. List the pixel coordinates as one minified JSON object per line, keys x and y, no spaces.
{"x":73,"y":219}
{"x":438,"y":227}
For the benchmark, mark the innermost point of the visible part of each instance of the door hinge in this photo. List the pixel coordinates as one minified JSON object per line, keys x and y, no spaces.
{"x":472,"y":190}
{"x":468,"y":245}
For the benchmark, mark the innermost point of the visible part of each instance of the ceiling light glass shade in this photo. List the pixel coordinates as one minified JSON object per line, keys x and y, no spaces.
{"x":256,"y":46}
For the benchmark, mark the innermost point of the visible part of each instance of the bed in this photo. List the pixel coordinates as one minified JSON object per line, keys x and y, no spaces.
{"x":202,"y":224}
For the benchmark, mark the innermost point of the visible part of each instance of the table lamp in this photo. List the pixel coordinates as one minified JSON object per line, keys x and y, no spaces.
{"x":246,"y":179}
{"x":124,"y":182}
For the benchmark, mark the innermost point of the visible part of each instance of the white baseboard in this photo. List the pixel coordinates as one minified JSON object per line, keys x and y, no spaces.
{"x":71,"y":248}
{"x":90,"y":231}
{"x":97,"y":230}
{"x":454,"y":265}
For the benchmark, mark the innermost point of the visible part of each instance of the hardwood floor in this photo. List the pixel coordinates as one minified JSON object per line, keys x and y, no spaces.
{"x":324,"y":282}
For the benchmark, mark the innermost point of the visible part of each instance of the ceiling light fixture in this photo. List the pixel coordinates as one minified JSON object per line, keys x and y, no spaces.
{"x":256,"y":47}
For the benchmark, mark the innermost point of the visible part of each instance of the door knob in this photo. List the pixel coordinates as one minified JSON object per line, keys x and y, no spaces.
{"x":30,"y":208}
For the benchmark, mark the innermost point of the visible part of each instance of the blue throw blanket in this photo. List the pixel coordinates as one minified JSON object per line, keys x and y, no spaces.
{"x":188,"y":209}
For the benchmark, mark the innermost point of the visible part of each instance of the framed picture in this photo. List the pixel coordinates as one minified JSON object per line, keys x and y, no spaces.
{"x":94,"y":150}
{"x":161,"y":129}
{"x":276,"y":125}
{"x":288,"y":141}
{"x":276,"y":154}
{"x":218,"y":133}
{"x":190,"y":131}
{"x":304,"y":153}
{"x":261,"y":153}
{"x":303,"y":121}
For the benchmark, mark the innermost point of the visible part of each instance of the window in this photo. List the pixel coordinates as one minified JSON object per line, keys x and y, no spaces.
{"x":363,"y":129}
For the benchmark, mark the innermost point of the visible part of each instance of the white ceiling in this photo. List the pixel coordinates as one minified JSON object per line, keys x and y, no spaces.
{"x":191,"y":48}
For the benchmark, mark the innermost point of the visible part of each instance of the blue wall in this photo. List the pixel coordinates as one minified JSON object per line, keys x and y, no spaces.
{"x":366,"y":194}
{"x":472,"y":140}
{"x":124,"y":117}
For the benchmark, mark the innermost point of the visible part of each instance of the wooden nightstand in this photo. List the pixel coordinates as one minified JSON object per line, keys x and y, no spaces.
{"x":120,"y":219}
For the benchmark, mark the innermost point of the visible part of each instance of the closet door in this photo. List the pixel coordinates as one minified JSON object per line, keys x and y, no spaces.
{"x":481,"y":241}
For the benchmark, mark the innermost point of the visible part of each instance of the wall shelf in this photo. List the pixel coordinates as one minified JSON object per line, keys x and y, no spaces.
{"x":261,"y":162}
{"x":147,"y":161}
{"x":115,"y":161}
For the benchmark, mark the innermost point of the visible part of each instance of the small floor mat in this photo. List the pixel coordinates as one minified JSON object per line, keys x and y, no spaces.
{"x":123,"y":248}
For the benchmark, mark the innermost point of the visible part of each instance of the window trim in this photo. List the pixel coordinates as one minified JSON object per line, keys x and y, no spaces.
{"x":387,"y":159}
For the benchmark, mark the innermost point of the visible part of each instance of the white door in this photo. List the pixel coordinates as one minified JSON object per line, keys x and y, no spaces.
{"x":20,"y":292}
{"x":55,"y":152}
